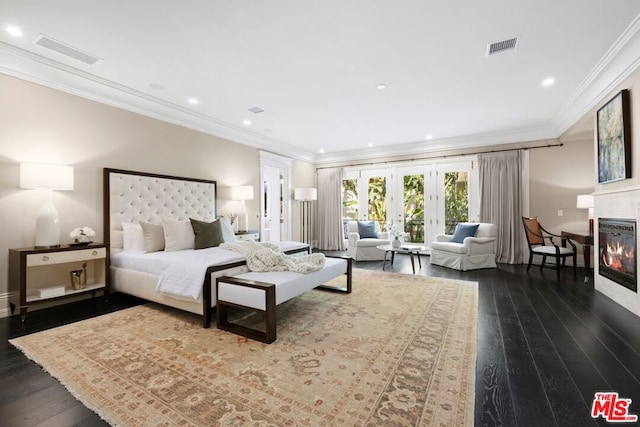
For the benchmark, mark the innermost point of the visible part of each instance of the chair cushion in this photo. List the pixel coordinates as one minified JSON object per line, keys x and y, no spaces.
{"x":367,"y":230}
{"x":550,"y":250}
{"x":454,"y":248}
{"x":464,"y":230}
{"x":365,"y":243}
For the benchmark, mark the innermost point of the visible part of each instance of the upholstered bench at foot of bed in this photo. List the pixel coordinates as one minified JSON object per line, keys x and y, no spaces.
{"x":263,"y":291}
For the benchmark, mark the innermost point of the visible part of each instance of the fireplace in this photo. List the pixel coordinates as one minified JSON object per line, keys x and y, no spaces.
{"x":617,"y":244}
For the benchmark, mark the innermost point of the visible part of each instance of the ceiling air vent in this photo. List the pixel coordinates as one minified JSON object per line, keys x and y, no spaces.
{"x":65,"y":49}
{"x":501,"y":46}
{"x":256,"y":110}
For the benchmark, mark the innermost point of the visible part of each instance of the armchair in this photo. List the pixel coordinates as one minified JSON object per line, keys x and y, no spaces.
{"x":363,"y":247}
{"x":475,"y":251}
{"x":541,"y":242}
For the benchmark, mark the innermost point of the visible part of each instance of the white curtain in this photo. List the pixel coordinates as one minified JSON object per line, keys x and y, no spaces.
{"x":501,"y":195}
{"x":330,"y":234}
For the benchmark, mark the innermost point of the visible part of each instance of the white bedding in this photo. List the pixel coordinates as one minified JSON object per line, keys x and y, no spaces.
{"x":182,"y":273}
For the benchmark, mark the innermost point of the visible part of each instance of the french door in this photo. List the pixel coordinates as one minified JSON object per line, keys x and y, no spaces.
{"x":425,"y":199}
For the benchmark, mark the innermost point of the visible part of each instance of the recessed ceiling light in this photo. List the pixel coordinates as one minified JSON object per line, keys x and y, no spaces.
{"x":193,"y":101}
{"x":246,"y":122}
{"x":381,"y":86}
{"x":14,"y":31}
{"x":429,"y":136}
{"x":321,"y":151}
{"x":548,"y":81}
{"x":370,"y":144}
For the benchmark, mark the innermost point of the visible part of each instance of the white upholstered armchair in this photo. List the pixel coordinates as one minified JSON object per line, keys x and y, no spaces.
{"x":466,"y":251}
{"x":362,"y":247}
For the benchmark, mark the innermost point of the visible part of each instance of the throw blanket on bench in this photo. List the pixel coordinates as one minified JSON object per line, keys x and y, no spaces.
{"x":264,"y":256}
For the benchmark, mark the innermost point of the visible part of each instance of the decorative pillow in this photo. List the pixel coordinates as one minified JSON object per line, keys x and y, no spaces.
{"x":178,"y":235}
{"x":132,"y":237}
{"x":208,"y":234}
{"x":153,"y":236}
{"x":367,"y":230}
{"x":464,"y":230}
{"x":228,"y":235}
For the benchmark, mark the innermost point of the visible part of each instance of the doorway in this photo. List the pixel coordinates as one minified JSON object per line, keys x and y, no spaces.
{"x":275,"y":206}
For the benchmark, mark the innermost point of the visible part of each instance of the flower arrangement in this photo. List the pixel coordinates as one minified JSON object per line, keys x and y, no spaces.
{"x":232,"y":217}
{"x":396,"y":230}
{"x":82,"y":234}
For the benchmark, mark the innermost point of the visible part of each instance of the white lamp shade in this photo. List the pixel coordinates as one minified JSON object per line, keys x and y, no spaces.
{"x":584,"y":201}
{"x":242,"y":192}
{"x":305,"y":194}
{"x":43,"y":176}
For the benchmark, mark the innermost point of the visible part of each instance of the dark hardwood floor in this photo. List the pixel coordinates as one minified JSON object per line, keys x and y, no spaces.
{"x":545,"y":346}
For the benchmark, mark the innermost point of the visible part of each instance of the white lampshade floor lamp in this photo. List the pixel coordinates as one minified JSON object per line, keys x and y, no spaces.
{"x":47,"y":177}
{"x":305,"y":196}
{"x":243,"y":193}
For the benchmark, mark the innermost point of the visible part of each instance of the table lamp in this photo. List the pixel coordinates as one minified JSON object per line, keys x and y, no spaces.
{"x":242,"y":193}
{"x":585,"y":201}
{"x":40,"y":176}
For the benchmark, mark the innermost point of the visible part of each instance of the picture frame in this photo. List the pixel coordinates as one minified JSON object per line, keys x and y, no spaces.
{"x":614,"y":139}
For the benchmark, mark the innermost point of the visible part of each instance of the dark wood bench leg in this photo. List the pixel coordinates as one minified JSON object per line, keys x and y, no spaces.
{"x":269,"y":313}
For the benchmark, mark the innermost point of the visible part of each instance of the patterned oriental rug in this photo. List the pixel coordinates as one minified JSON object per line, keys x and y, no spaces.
{"x":399,"y":351}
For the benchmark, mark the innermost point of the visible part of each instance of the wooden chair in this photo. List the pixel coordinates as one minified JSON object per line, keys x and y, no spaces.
{"x":541,"y":242}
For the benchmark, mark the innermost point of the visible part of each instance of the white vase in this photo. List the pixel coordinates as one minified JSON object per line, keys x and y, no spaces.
{"x":395,"y":243}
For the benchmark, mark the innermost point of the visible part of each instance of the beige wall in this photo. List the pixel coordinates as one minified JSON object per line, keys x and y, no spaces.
{"x":39,"y":124}
{"x":557,"y":176}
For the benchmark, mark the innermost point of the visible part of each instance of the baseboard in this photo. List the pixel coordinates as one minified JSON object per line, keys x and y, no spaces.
{"x":5,"y":311}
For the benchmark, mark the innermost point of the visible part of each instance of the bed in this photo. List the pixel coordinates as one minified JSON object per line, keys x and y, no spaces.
{"x":132,"y":198}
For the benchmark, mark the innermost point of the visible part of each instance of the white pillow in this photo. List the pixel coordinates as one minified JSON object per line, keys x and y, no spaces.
{"x":132,"y":237}
{"x":153,"y":236}
{"x":178,"y":235}
{"x":228,"y":235}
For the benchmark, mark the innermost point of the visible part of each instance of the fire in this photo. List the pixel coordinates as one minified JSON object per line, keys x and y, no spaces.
{"x":616,"y":255}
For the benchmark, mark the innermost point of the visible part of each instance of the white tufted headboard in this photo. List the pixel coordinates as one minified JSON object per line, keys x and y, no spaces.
{"x":137,"y":196}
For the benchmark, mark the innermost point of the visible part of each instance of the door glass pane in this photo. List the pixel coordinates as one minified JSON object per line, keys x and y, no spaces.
{"x":456,"y":199}
{"x":349,"y":202}
{"x":377,"y":201}
{"x":413,"y":189}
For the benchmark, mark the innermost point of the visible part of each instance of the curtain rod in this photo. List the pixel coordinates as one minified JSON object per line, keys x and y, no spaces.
{"x":442,"y":156}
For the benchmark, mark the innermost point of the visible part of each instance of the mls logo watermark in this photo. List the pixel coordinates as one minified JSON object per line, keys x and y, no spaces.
{"x":611,"y":407}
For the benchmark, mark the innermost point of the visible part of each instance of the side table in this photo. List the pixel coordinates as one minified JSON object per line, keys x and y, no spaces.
{"x":403,"y":249}
{"x":42,"y":275}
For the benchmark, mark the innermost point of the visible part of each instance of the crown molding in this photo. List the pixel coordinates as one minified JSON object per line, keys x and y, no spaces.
{"x":613,"y":68}
{"x":617,"y":64}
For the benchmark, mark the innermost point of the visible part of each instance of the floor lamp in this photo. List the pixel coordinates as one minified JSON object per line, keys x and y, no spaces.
{"x":242,"y":193}
{"x":305,"y":196}
{"x":40,"y":176}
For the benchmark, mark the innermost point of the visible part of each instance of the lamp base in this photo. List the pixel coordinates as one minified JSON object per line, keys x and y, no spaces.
{"x":47,"y":227}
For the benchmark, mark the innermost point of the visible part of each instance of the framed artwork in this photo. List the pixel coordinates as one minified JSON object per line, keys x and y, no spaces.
{"x":614,"y":139}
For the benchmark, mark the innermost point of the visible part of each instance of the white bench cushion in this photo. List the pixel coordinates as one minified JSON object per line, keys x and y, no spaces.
{"x":288,"y":284}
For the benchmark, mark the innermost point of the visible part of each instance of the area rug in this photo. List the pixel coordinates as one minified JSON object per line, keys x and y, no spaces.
{"x":399,"y":351}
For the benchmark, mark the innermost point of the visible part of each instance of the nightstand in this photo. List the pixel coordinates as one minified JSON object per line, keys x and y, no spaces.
{"x":248,"y":236}
{"x":43,"y":275}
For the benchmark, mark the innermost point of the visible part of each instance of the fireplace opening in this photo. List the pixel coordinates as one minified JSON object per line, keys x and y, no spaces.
{"x":617,"y":244}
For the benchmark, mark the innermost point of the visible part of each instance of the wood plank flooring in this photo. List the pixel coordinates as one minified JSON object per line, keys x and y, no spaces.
{"x":545,"y":346}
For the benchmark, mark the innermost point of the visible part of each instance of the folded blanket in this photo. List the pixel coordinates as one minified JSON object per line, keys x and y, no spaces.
{"x":265,"y":256}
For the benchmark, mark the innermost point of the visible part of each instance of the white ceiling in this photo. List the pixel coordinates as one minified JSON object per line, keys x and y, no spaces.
{"x":313,"y":66}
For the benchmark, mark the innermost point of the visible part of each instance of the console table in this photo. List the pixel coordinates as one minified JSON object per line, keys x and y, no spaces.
{"x":586,"y":240}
